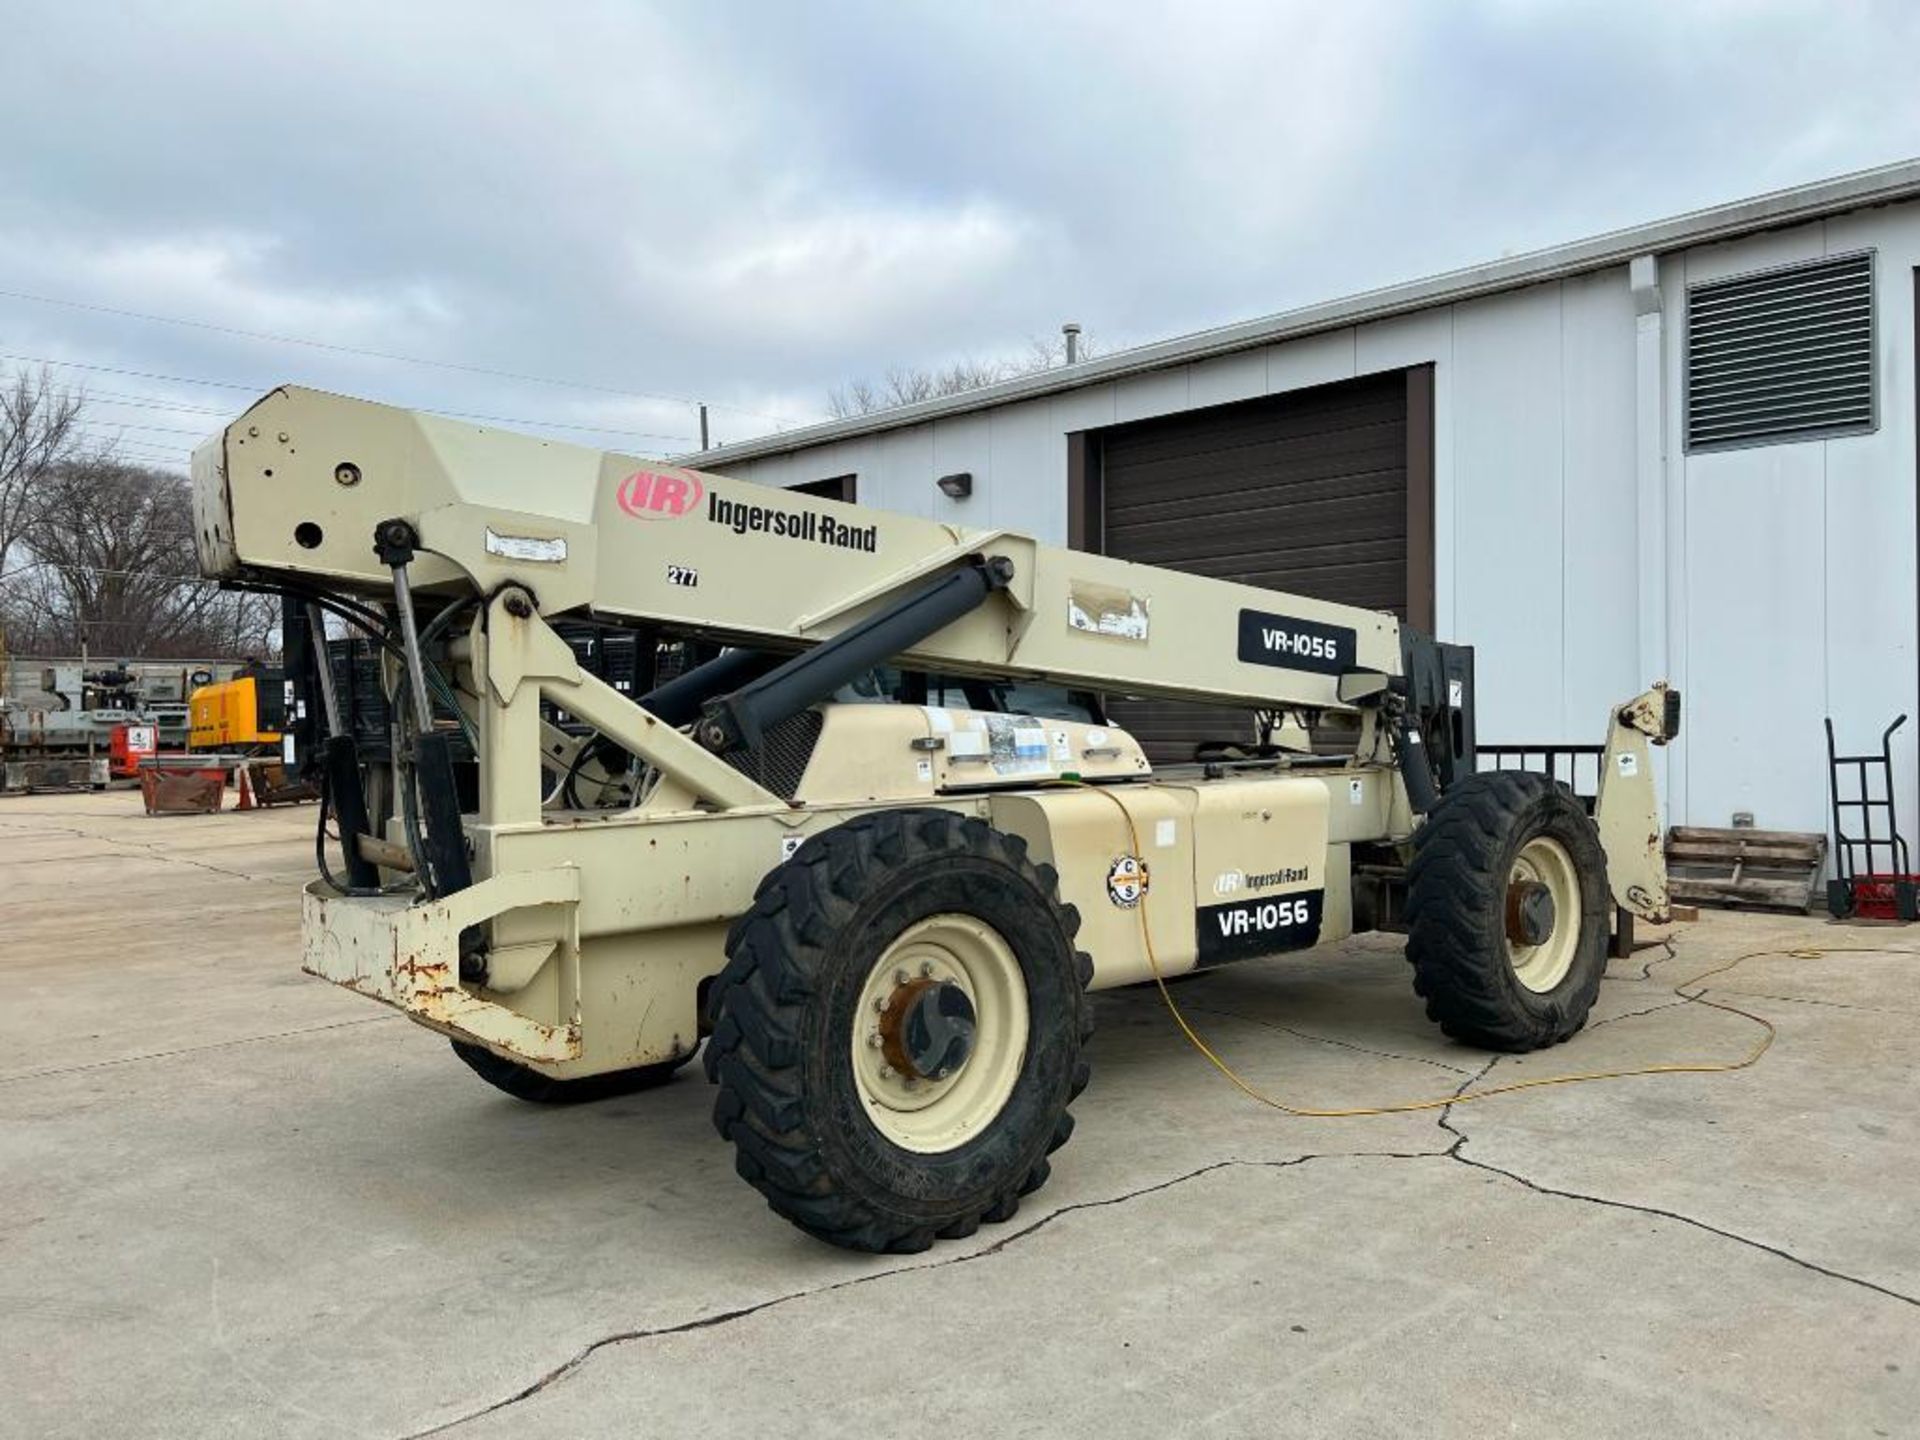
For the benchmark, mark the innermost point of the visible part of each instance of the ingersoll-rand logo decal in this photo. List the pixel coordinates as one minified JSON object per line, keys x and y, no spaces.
{"x":814,"y":527}
{"x":659,"y":495}
{"x":1231,"y":882}
{"x":656,"y":495}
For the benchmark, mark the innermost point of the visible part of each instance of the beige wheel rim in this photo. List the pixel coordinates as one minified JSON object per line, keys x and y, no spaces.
{"x":1544,"y":862}
{"x":931,"y":1114}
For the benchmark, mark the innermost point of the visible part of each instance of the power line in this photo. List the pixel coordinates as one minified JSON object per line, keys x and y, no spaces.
{"x":106,"y":427}
{"x":338,"y":349}
{"x":151,"y":402}
{"x":156,"y":402}
{"x":130,"y":425}
{"x":149,"y":458}
{"x":152,"y":448}
{"x":104,"y":570}
{"x":137,"y":374}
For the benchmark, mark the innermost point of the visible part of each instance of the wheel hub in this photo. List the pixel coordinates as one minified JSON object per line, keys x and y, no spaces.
{"x":940,"y":1033}
{"x":1543,"y":914}
{"x":926,"y":1031}
{"x":1530,"y":912}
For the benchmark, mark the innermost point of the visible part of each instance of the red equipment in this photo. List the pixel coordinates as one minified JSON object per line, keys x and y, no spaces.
{"x":129,"y":745}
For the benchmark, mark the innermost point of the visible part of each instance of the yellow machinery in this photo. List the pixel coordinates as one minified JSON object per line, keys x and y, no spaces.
{"x":238,"y":714}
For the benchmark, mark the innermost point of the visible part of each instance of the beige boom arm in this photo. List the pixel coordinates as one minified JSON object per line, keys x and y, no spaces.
{"x":295,"y":487}
{"x":1627,"y":811}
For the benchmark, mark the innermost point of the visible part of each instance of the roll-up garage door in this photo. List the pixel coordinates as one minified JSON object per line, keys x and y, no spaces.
{"x":1304,"y":492}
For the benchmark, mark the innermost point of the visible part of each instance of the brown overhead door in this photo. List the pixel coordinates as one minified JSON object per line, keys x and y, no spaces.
{"x":1305,"y":492}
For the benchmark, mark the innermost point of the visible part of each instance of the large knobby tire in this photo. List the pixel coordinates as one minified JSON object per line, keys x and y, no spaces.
{"x":525,"y":1083}
{"x":837,"y":1141}
{"x":1497,"y":968}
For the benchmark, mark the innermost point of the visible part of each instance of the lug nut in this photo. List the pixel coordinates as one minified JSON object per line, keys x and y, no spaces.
{"x":873,"y":1041}
{"x":926,"y":968}
{"x":886,"y":1072}
{"x":900,"y":977}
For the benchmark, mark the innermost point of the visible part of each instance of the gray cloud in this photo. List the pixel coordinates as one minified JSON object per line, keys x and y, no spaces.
{"x":748,"y":203}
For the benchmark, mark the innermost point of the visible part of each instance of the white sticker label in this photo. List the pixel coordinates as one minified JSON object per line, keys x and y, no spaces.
{"x":1165,"y":834}
{"x":1061,"y":750}
{"x":1456,"y":694}
{"x":1017,"y":745}
{"x":1629,"y":763}
{"x":789,"y":844}
{"x":1356,"y":792}
{"x":536,"y":548}
{"x":1104,"y":610}
{"x":286,"y":749}
{"x":1096,"y":739}
{"x":967,"y":744}
{"x":924,"y":769}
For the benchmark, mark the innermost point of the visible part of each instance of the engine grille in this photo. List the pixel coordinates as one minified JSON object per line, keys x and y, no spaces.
{"x":781,"y":757}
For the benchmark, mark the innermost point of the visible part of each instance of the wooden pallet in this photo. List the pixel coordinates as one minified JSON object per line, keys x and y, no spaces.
{"x":1766,"y":869}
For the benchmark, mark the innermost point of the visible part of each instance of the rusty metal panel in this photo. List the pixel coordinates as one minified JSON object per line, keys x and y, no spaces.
{"x":406,"y":953}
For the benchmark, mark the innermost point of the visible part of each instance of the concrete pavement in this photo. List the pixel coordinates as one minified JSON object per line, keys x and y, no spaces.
{"x":236,"y":1201}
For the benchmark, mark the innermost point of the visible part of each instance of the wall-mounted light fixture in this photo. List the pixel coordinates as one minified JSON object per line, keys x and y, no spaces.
{"x":956,"y":486}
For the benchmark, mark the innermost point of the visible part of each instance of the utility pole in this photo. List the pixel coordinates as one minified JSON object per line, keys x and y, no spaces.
{"x":85,"y":717}
{"x":703,"y":425}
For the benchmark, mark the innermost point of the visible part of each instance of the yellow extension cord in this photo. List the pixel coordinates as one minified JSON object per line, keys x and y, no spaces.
{"x":1443,"y":1101}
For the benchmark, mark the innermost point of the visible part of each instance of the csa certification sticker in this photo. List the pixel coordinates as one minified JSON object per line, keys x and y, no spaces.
{"x":1127,"y":881}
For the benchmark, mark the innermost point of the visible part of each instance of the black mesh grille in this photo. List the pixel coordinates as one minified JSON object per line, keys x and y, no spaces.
{"x":781,"y":757}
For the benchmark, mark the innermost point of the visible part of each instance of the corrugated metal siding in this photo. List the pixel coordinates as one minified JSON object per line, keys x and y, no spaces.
{"x":1783,"y":355}
{"x":1304,"y":492}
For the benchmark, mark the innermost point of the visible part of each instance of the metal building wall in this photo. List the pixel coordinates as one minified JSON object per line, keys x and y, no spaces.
{"x":1581,"y":556}
{"x":1792,"y":566}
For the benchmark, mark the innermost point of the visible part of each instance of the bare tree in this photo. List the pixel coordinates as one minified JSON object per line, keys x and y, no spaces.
{"x":114,"y":565}
{"x":909,"y":385}
{"x":39,"y":428}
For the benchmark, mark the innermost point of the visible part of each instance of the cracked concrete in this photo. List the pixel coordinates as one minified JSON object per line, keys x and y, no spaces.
{"x":237,"y":1202}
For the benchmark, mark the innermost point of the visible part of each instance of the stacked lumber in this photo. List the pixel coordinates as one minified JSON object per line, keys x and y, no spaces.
{"x":1765,"y":869}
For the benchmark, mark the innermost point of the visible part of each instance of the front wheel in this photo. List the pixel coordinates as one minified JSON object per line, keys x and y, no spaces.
{"x":897,"y":1033}
{"x":1507,"y":912}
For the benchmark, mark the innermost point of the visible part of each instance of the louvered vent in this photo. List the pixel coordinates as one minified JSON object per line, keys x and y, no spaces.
{"x":1787,"y":355}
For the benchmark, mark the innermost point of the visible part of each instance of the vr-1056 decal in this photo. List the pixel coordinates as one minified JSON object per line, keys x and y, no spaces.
{"x":1290,"y":644}
{"x":1247,"y":928}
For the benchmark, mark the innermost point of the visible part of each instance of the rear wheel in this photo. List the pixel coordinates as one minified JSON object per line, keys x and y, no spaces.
{"x":897,"y":1033}
{"x":1507,"y":912}
{"x":523,"y":1082}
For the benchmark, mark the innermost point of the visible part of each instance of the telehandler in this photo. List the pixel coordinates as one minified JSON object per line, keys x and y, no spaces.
{"x":880,"y":909}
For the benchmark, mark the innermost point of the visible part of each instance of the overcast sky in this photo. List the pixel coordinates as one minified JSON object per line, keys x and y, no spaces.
{"x":749,"y":203}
